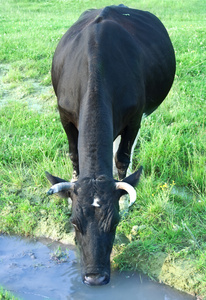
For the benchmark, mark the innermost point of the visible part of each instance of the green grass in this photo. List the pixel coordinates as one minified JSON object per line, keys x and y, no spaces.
{"x":5,"y":295}
{"x":170,"y":212}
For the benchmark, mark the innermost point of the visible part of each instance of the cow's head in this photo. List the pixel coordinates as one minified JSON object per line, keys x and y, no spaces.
{"x":95,"y":216}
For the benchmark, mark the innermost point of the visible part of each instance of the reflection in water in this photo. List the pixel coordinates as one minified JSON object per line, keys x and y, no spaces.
{"x":26,"y":269}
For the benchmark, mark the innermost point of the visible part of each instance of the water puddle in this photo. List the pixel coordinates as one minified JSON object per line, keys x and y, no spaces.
{"x":44,"y":269}
{"x":29,"y":91}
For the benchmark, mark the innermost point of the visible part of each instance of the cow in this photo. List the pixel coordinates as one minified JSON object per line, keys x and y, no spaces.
{"x":111,"y":67}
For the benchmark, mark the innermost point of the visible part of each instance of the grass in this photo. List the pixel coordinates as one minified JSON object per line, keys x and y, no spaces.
{"x":169,"y":216}
{"x":60,"y":256}
{"x":5,"y":295}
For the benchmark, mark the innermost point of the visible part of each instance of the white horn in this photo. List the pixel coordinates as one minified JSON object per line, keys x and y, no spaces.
{"x":61,"y":186}
{"x":129,"y":189}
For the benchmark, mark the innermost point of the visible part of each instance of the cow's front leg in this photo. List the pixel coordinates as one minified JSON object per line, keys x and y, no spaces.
{"x":72,"y":135}
{"x":73,"y":152}
{"x":122,"y":163}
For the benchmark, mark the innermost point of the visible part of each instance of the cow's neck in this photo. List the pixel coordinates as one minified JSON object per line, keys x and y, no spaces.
{"x":95,"y":143}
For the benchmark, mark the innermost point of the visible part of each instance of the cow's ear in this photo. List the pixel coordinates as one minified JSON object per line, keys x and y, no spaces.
{"x":60,"y":186}
{"x":134,"y":178}
{"x":54,"y":179}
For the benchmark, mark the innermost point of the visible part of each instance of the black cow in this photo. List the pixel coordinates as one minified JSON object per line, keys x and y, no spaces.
{"x":111,"y":67}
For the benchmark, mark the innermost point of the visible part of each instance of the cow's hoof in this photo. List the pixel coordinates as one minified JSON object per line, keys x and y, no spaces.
{"x":75,"y":176}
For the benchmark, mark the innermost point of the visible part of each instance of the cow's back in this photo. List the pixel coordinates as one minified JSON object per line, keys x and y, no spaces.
{"x":127,"y":49}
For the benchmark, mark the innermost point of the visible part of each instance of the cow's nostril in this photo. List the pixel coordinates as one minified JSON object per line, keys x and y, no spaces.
{"x":96,"y":279}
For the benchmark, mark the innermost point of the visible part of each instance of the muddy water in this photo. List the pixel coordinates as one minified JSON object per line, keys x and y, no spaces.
{"x":32,"y":270}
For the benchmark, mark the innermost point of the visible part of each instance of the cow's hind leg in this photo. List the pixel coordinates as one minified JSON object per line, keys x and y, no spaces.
{"x":127,"y":144}
{"x":115,"y":148}
{"x":129,"y":170}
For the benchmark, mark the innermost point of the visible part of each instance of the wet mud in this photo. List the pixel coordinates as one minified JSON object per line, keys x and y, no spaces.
{"x":44,"y":269}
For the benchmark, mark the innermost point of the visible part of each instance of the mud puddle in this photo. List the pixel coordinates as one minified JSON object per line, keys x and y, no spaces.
{"x":44,"y":269}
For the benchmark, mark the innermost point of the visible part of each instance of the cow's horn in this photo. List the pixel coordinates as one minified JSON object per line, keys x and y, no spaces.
{"x":60,"y":187}
{"x":129,"y":189}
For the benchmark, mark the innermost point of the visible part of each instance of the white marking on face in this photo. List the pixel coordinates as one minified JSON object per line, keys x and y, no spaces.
{"x":95,"y":203}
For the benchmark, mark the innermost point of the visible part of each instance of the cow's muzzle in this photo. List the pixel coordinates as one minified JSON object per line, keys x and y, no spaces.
{"x":96,"y":279}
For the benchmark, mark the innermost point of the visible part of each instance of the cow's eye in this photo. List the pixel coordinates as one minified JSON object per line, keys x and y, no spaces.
{"x":74,"y":222}
{"x":75,"y":226}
